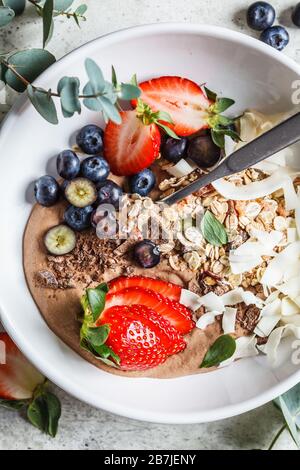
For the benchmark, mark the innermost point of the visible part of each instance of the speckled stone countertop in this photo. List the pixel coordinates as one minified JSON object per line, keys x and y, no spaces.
{"x":81,"y":426}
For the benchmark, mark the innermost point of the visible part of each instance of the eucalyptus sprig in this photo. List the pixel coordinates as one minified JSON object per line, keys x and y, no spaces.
{"x":21,"y":68}
{"x":47,"y":9}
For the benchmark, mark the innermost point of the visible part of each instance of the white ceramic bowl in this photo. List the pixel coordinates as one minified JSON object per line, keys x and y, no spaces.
{"x":232,"y":64}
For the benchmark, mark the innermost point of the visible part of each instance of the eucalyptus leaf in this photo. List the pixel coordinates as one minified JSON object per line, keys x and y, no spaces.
{"x":17,"y":5}
{"x":222,"y":104}
{"x":129,"y":92}
{"x":289,"y":403}
{"x":30,"y":64}
{"x":43,"y":103}
{"x":62,"y":5}
{"x":95,"y":75}
{"x":6,"y":16}
{"x":110,"y":110}
{"x":91,"y":103}
{"x":96,"y":298}
{"x":223,"y":349}
{"x":213,"y":231}
{"x":47,"y":20}
{"x":81,"y":10}
{"x":68,"y":88}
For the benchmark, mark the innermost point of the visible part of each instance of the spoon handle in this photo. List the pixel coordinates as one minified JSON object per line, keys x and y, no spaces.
{"x":278,"y":138}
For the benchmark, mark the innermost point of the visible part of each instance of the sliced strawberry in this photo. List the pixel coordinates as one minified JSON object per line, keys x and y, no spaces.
{"x":140,"y":337}
{"x":131,"y":146}
{"x":183,"y":99}
{"x":177,"y":314}
{"x":167,"y":289}
{"x":18,"y":378}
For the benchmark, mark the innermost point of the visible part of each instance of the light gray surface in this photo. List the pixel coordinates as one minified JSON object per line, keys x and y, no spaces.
{"x":83,"y":427}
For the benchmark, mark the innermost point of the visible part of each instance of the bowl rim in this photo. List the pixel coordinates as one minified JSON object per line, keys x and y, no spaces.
{"x":24,"y":344}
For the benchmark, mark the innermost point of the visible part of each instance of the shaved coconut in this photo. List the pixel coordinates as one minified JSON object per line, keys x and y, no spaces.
{"x":245,"y":347}
{"x":229,"y":319}
{"x":206,"y":319}
{"x":273,"y":296}
{"x":238,"y":295}
{"x":296,"y":300}
{"x":288,"y":307}
{"x":275,"y":271}
{"x":212,"y":302}
{"x":273,"y":308}
{"x":271,"y":347}
{"x":290,"y":196}
{"x":182,"y":168}
{"x":190,"y":299}
{"x":266,"y":325}
{"x":255,"y":190}
{"x":269,"y":239}
{"x":291,"y":288}
{"x":291,"y":320}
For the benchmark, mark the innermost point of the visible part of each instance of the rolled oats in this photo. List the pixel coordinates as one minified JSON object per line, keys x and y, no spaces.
{"x":252,"y":210}
{"x":193,"y":260}
{"x":280,"y":223}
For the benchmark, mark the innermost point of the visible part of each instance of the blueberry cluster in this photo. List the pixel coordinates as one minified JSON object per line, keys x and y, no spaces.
{"x":261,"y":17}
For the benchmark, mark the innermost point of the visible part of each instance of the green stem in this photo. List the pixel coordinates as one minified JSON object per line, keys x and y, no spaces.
{"x":57,"y":12}
{"x":283,"y":428}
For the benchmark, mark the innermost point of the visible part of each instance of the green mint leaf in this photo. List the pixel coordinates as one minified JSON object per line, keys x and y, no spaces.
{"x":96,"y":298}
{"x":213,"y":231}
{"x":43,"y":103}
{"x":129,"y":92}
{"x":218,"y":138}
{"x":81,"y":10}
{"x":220,"y":351}
{"x":211,"y":95}
{"x":13,"y":404}
{"x":30,"y":64}
{"x":97,"y":336}
{"x":54,"y":412}
{"x":114,"y":79}
{"x":47,"y":20}
{"x":18,"y":6}
{"x":62,"y":5}
{"x":168,"y":131}
{"x":68,"y":88}
{"x":289,"y":404}
{"x":95,"y":75}
{"x":222,"y":104}
{"x":6,"y":16}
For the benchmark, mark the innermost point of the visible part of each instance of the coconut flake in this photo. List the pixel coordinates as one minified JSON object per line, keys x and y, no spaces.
{"x":229,"y":319}
{"x":288,"y":307}
{"x":190,"y":299}
{"x":206,"y":319}
{"x":182,"y":168}
{"x":274,"y":273}
{"x":255,"y":190}
{"x":238,"y":295}
{"x":275,"y":338}
{"x":212,"y":303}
{"x":266,"y":325}
{"x":291,"y":288}
{"x":290,"y":196}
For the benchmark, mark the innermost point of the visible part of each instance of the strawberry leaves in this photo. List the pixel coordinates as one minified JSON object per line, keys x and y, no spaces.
{"x":148,"y":117}
{"x":44,"y":412}
{"x":92,"y":337}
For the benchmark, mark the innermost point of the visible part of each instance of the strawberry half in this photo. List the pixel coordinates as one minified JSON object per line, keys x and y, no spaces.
{"x":183,"y":99}
{"x":131,"y":146}
{"x":18,"y":378}
{"x":140,"y":337}
{"x":175,"y":313}
{"x":167,"y":289}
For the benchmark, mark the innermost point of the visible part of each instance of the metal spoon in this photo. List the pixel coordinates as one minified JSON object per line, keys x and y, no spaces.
{"x":278,"y":138}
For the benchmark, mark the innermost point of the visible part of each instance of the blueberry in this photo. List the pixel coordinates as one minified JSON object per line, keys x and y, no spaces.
{"x":147,"y":254}
{"x":95,"y":169}
{"x":109,"y":193}
{"x":174,"y":150}
{"x":90,"y":139}
{"x":63,"y":186}
{"x":296,"y":15}
{"x":260,"y":15}
{"x":46,"y":190}
{"x":68,"y":165}
{"x":203,"y":151}
{"x":77,"y":218}
{"x":276,"y":36}
{"x":142,"y":183}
